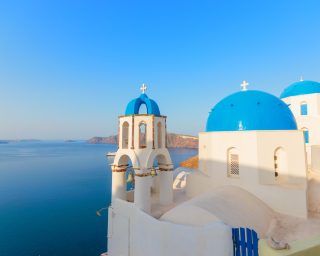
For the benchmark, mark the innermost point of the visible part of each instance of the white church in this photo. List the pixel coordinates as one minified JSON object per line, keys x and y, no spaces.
{"x":258,"y":164}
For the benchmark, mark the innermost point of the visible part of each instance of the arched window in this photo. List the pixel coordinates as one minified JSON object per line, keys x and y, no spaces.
{"x":280,"y":164}
{"x":142,"y":135}
{"x":143,"y":109}
{"x":306,"y":134}
{"x":233,"y":163}
{"x":304,"y":108}
{"x":159,"y":129}
{"x":125,"y":135}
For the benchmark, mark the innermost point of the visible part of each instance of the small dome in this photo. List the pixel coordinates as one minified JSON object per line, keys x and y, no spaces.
{"x":250,"y":110}
{"x":134,"y":106}
{"x":301,"y":88}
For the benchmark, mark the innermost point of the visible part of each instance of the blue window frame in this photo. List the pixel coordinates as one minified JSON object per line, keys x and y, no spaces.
{"x":304,"y":109}
{"x":306,"y":135}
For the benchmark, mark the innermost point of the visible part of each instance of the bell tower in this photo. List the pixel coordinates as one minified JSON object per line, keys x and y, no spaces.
{"x":142,"y":140}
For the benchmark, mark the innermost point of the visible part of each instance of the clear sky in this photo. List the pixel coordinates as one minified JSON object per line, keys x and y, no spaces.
{"x":68,"y":68}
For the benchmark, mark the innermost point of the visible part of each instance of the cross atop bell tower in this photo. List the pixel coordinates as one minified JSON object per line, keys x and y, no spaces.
{"x":143,"y":88}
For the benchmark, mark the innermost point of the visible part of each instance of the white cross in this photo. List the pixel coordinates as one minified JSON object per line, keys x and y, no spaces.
{"x":143,"y":88}
{"x":244,"y":85}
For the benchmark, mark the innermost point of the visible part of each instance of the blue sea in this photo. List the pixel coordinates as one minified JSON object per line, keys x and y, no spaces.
{"x":49,"y":195}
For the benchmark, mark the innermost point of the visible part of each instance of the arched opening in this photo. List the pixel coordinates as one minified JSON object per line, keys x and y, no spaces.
{"x":162,"y":178}
{"x":142,"y":135}
{"x":233,"y":163}
{"x":130,"y":179}
{"x":125,"y":135}
{"x":155,"y":174}
{"x":304,"y":108}
{"x":143,"y":109}
{"x":159,"y":129}
{"x":305,"y":134}
{"x":126,"y":170}
{"x":280,"y":164}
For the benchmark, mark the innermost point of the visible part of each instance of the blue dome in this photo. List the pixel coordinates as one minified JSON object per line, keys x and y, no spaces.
{"x":134,"y":106}
{"x":301,"y":88}
{"x":250,"y":110}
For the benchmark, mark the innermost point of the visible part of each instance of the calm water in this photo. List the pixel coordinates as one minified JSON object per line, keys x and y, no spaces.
{"x":49,"y":194}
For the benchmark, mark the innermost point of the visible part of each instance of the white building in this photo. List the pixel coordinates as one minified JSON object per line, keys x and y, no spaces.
{"x":252,"y":141}
{"x":303,"y":98}
{"x":252,"y":163}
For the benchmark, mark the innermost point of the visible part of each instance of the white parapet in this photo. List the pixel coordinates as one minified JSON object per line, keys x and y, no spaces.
{"x":135,"y":233}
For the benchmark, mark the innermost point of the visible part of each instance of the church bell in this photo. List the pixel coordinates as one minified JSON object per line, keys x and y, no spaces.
{"x":153,"y":172}
{"x":130,"y":178}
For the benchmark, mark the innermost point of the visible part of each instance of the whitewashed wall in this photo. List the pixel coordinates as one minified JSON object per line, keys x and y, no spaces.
{"x":134,"y":233}
{"x":315,"y":156}
{"x":256,"y":158}
{"x":310,"y":121}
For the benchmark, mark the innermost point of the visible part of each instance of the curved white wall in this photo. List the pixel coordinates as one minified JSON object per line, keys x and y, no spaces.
{"x":134,"y":233}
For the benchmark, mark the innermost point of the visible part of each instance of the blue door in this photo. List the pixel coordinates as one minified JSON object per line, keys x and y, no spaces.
{"x":245,"y":242}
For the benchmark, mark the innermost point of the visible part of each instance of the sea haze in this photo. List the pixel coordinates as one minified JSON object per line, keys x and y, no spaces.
{"x":49,"y":195}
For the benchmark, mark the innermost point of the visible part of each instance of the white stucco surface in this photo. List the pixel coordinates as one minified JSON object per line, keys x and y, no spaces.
{"x":311,"y":121}
{"x":315,"y":158}
{"x":135,"y":233}
{"x":289,"y":228}
{"x":229,"y":204}
{"x":314,"y":193}
{"x":138,"y":150}
{"x":256,"y":151}
{"x":286,"y":228}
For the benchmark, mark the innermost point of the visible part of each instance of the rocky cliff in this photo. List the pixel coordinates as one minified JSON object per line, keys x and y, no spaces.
{"x":181,"y":141}
{"x":174,"y":140}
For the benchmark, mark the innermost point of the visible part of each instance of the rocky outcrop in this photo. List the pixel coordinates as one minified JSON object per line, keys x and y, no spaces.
{"x":173,"y":140}
{"x":104,"y":140}
{"x":181,"y":141}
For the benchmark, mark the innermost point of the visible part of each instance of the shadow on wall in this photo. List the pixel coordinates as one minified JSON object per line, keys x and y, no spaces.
{"x":314,"y":193}
{"x":234,"y":171}
{"x":278,"y":188}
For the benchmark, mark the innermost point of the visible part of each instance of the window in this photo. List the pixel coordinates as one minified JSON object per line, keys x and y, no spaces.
{"x":280,"y":164}
{"x":125,"y":135}
{"x":142,"y":135}
{"x":159,"y":126}
{"x":304,"y":109}
{"x":306,"y":134}
{"x":233,"y":163}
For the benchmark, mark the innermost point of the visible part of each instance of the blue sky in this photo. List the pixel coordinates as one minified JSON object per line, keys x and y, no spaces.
{"x":68,"y":68}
